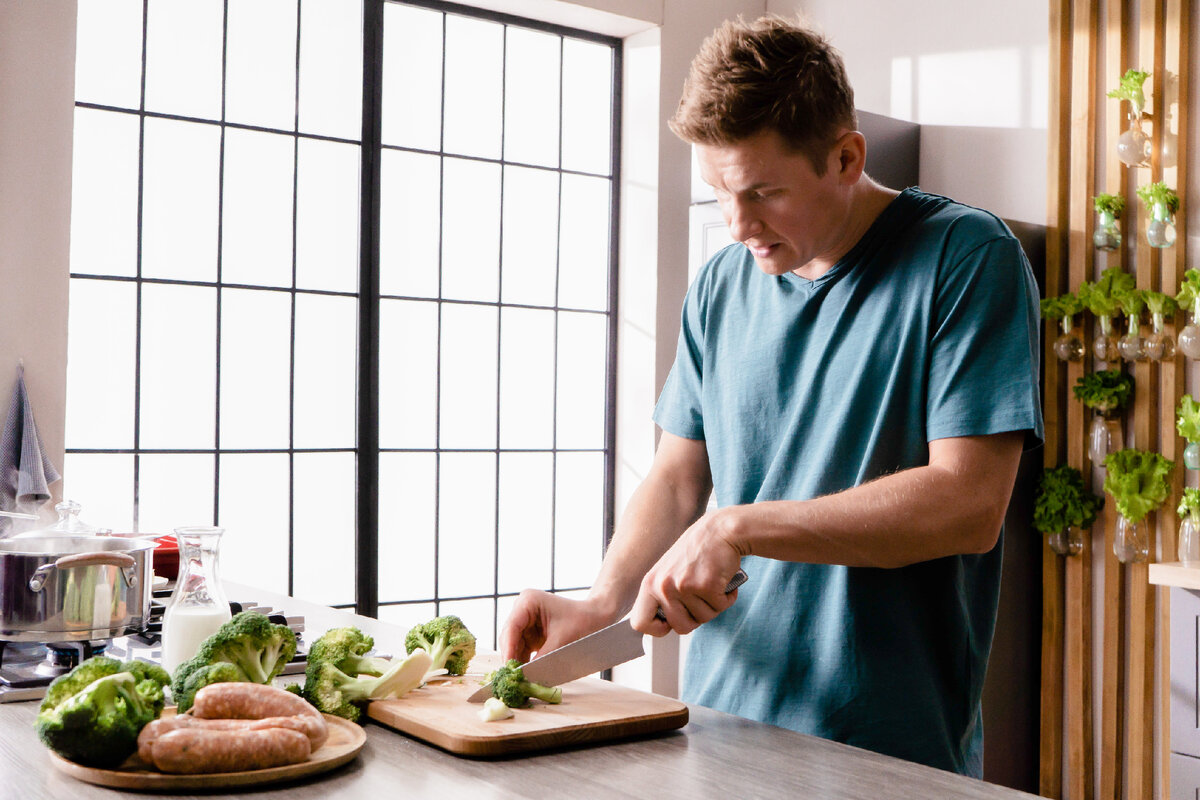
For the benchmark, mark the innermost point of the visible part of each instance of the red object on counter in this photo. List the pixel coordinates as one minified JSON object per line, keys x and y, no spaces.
{"x":166,"y":557}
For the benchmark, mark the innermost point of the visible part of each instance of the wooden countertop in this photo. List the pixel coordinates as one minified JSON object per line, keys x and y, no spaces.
{"x":715,"y":755}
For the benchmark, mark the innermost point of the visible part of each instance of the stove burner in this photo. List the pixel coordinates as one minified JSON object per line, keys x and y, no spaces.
{"x":62,"y":657}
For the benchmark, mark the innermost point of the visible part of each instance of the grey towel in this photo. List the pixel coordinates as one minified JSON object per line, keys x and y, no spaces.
{"x":26,"y":472}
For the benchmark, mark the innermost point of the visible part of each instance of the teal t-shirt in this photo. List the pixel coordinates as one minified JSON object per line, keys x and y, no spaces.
{"x":927,"y":329}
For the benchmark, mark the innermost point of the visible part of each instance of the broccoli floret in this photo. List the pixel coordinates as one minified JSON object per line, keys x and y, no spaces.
{"x":511,"y":688}
{"x":448,"y":642}
{"x":347,"y":648}
{"x":255,"y":647}
{"x":93,"y":714}
{"x":340,"y":681}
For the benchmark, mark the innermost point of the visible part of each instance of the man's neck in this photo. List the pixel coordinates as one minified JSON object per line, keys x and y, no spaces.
{"x":869,"y":201}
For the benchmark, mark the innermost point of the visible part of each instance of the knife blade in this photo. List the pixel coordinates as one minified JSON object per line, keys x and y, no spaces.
{"x":597,"y":651}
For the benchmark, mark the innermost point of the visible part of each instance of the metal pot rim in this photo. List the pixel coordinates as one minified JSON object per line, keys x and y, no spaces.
{"x":66,"y":545}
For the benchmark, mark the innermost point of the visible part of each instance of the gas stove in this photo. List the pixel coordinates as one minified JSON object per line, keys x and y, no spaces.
{"x":27,"y":668}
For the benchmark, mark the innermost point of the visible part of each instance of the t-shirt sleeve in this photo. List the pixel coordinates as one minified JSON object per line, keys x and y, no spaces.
{"x":680,"y":409}
{"x":983,"y":375}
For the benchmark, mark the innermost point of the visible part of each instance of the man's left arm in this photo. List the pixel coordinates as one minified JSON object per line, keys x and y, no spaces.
{"x":953,"y":505}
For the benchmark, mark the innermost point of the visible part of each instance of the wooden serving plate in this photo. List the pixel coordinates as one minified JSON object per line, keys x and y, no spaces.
{"x":345,"y":740}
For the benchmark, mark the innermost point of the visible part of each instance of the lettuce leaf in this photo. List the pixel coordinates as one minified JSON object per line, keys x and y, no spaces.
{"x":1137,"y":481}
{"x":1062,"y":501}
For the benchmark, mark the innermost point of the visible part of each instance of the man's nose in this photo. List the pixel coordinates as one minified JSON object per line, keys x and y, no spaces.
{"x":743,"y":222}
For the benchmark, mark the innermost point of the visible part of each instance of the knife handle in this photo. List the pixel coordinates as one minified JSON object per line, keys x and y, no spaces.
{"x":737,"y":580}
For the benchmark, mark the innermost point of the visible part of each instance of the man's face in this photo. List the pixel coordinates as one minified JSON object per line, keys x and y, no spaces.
{"x":775,"y":203}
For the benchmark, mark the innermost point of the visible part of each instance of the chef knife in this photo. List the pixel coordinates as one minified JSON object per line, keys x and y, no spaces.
{"x":605,"y":648}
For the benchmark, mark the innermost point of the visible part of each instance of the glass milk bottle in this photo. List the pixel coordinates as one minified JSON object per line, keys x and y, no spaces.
{"x":198,"y":606}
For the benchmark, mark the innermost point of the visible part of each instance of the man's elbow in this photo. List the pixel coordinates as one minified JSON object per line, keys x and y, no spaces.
{"x":983,"y":528}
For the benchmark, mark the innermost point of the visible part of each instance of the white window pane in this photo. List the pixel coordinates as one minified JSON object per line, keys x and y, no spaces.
{"x":582,"y":345}
{"x":256,"y":228}
{"x":471,"y":230}
{"x":407,"y":520}
{"x":331,"y":68}
{"x":466,"y":524}
{"x":584,"y":246}
{"x":474,"y":86}
{"x":578,"y":518}
{"x":183,"y":57}
{"x":253,"y":512}
{"x":408,"y":336}
{"x":178,"y":369}
{"x":102,"y":484}
{"x":104,"y":188}
{"x":323,"y":520}
{"x":260,"y":72}
{"x":326,"y":353}
{"x":179,"y":200}
{"x":412,"y":77}
{"x":108,"y":53}
{"x":101,"y":346}
{"x":174,"y":490}
{"x":526,"y":515}
{"x":531,"y":97}
{"x":409,"y":215}
{"x":587,"y":107}
{"x":478,"y":616}
{"x":530,"y":233}
{"x":468,"y":377}
{"x":407,"y":615}
{"x":526,"y":378}
{"x":327,"y":216}
{"x":256,"y":344}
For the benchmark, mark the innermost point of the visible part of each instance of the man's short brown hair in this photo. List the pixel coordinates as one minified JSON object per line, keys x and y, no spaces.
{"x":768,"y":74}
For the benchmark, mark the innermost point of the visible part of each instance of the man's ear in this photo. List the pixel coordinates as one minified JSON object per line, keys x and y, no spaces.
{"x":851,"y":151}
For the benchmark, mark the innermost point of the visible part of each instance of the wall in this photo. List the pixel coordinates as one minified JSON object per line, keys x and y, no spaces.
{"x":37,"y":95}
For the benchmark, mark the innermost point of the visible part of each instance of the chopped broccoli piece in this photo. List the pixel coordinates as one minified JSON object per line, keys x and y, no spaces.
{"x":93,"y":714}
{"x":511,"y":688}
{"x":256,"y":649}
{"x":341,"y":680}
{"x":448,"y":642}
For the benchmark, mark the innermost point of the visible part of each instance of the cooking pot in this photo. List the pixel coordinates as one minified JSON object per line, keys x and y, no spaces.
{"x":73,"y":588}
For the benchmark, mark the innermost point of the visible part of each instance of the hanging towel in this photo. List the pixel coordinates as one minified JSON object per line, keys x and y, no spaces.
{"x":26,"y":472}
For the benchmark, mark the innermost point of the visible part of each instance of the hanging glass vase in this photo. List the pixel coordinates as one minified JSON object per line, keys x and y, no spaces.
{"x":1130,"y":346}
{"x":1068,"y":346}
{"x":1066,"y":543}
{"x":1191,"y":455}
{"x":1189,"y":337}
{"x":1158,"y":346}
{"x":1161,"y":230}
{"x":1108,"y":234}
{"x":1189,"y":542}
{"x":1131,"y":544}
{"x":1104,"y":348}
{"x":1133,"y":146}
{"x":1105,"y":435}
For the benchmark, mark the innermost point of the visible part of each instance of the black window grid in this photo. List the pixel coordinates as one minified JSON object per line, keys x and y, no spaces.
{"x":369,"y":298}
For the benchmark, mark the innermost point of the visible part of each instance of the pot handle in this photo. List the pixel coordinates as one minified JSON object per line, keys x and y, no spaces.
{"x":123,"y":560}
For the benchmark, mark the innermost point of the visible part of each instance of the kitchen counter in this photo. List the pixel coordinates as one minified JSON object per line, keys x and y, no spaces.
{"x":715,"y":755}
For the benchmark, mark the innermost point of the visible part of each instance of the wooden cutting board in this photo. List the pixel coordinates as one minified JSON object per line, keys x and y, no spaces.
{"x":592,"y":710}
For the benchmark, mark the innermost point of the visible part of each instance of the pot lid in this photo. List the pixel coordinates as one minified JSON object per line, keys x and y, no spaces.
{"x":69,"y":545}
{"x":68,"y":524}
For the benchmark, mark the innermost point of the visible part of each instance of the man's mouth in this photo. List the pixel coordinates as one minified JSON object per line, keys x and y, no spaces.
{"x":760,"y":251}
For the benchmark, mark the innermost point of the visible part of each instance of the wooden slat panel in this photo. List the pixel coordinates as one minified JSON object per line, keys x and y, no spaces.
{"x":1080,"y":260}
{"x":1177,"y":54}
{"x":1050,"y":772}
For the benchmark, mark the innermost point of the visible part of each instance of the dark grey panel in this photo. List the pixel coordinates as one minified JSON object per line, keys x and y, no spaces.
{"x":893,"y":149}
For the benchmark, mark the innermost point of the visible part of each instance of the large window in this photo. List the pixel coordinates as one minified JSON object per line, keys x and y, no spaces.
{"x":348,"y":296}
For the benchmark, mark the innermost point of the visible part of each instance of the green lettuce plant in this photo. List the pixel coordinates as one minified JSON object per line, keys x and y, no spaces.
{"x":1063,"y":502}
{"x":1137,"y":481}
{"x":1105,"y":391}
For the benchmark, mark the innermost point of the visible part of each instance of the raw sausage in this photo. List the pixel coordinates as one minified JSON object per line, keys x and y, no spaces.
{"x":242,"y":700}
{"x":193,"y":751}
{"x":313,"y":727}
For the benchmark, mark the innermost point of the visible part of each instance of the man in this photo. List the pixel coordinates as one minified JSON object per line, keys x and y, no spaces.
{"x":856,"y":381}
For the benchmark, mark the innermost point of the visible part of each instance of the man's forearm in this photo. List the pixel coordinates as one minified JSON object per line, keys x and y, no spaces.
{"x":950,"y":507}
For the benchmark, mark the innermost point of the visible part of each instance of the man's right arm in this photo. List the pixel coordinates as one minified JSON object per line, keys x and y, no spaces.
{"x":673,"y":496}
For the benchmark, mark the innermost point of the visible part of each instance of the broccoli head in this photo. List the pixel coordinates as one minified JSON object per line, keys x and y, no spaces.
{"x":448,"y":642}
{"x":256,"y":648}
{"x":93,"y":714}
{"x":510,"y":687}
{"x":340,"y":681}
